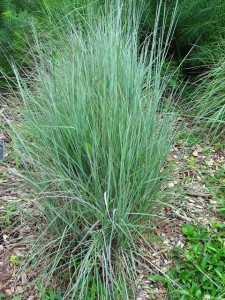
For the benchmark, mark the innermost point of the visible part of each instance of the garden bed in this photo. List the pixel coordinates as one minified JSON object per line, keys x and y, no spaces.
{"x":193,"y":164}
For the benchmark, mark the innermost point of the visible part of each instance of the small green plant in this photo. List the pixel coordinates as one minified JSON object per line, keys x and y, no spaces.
{"x":219,"y":145}
{"x":9,"y":213}
{"x":216,"y":184}
{"x":191,"y":138}
{"x":207,"y":151}
{"x":14,"y":260}
{"x":200,"y":269}
{"x":50,"y":294}
{"x":191,"y":162}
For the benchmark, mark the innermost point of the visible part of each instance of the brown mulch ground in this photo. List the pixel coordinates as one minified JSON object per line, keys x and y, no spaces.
{"x":13,"y":231}
{"x":195,"y":204}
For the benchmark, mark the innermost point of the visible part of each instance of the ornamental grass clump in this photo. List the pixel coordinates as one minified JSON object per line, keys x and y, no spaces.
{"x":209,"y":98}
{"x":95,"y":137}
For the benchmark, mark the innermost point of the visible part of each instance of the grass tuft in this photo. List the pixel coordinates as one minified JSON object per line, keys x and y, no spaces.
{"x":209,"y":99}
{"x":94,"y":140}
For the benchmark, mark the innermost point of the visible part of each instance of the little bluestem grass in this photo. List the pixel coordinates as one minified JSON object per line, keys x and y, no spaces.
{"x":93,"y":144}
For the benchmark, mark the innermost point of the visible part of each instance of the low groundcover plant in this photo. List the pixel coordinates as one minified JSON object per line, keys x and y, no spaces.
{"x":94,"y":141}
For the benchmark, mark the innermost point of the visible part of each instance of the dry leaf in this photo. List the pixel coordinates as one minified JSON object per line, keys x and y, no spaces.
{"x":195,"y":153}
{"x":23,"y":278}
{"x":171,"y":184}
{"x":210,"y":162}
{"x":8,"y":292}
{"x":3,"y":181}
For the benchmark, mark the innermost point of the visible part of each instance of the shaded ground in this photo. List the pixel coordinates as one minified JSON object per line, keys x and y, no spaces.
{"x":13,"y":232}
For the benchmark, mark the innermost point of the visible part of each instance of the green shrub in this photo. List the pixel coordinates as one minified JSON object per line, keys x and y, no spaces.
{"x":14,"y":21}
{"x":17,"y":16}
{"x":200,"y":23}
{"x":93,"y":144}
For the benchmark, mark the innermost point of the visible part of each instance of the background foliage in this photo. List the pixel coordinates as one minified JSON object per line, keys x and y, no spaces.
{"x":14,"y":21}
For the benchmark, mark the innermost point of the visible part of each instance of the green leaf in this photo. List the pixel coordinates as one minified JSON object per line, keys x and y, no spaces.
{"x":17,"y":297}
{"x":93,"y":291}
{"x":216,"y":224}
{"x":8,"y":13}
{"x":205,"y":261}
{"x":183,"y":292}
{"x":188,"y":230}
{"x":198,"y":293}
{"x":158,"y":278}
{"x":89,"y":148}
